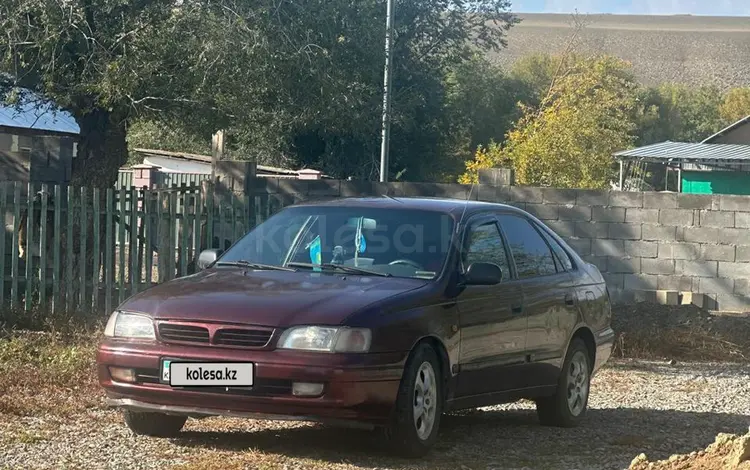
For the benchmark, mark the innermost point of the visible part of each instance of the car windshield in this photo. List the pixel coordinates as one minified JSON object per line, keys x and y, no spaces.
{"x":349,"y":240}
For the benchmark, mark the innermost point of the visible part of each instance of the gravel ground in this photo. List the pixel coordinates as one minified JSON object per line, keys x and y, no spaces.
{"x":636,"y":406}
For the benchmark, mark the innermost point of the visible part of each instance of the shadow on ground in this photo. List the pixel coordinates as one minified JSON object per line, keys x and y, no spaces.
{"x":610,"y":438}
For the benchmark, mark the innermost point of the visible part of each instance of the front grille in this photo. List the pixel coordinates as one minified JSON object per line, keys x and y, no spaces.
{"x":246,"y":338}
{"x":184,"y":333}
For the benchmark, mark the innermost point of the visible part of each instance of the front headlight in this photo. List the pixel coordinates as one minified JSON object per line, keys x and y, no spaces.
{"x":129,"y":325}
{"x":326,"y":339}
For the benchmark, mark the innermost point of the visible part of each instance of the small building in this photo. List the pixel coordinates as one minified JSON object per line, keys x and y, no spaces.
{"x":720,"y":164}
{"x":37,"y":142}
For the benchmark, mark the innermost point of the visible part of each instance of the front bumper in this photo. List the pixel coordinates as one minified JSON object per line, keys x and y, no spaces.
{"x":357,"y":388}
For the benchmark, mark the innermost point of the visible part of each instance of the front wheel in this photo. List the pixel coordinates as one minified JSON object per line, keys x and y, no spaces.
{"x":568,"y":405}
{"x":154,"y":424}
{"x":419,"y":405}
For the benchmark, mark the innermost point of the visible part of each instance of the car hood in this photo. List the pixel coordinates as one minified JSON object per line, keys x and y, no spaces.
{"x":269,"y":298}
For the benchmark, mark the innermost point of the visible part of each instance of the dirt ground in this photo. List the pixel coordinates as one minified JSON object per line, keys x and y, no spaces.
{"x":730,"y":452}
{"x":683,"y":332}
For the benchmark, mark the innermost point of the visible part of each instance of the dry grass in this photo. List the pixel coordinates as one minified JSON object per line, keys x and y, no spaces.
{"x":687,"y":333}
{"x":13,"y":320}
{"x":48,"y":373}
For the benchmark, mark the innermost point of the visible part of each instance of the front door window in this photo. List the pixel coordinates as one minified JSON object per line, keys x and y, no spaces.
{"x":485,"y":245}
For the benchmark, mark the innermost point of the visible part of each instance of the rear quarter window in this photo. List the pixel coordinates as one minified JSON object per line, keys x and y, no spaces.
{"x":561,"y":255}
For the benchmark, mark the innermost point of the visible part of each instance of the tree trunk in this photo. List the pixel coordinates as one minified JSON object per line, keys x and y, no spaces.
{"x":102,"y":150}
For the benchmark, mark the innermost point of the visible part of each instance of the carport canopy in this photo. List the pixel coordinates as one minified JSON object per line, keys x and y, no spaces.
{"x":669,"y":153}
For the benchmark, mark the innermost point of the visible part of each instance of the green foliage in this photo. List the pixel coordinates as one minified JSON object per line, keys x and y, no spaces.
{"x":482,"y":103}
{"x":155,"y":134}
{"x":736,"y":105}
{"x":335,"y":89}
{"x":490,"y":156}
{"x":569,"y":139}
{"x":298,"y":82}
{"x":678,"y":113}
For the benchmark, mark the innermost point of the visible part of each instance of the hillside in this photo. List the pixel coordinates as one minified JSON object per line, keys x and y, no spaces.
{"x":685,"y":49}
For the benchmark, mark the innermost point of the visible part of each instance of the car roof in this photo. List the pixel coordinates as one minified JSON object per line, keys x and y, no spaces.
{"x":444,"y":205}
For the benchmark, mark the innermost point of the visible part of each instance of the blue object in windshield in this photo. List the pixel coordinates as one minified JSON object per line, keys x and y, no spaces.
{"x":362,"y":243}
{"x":315,"y":253}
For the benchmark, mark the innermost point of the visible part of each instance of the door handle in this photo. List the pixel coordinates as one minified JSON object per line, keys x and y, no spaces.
{"x":516,"y":309}
{"x":570,"y":301}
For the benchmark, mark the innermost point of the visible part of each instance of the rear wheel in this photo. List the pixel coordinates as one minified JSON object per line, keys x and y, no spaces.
{"x":568,"y":405}
{"x":419,"y":405}
{"x":154,"y":424}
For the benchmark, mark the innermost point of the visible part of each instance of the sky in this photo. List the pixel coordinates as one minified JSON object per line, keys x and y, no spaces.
{"x":636,"y":7}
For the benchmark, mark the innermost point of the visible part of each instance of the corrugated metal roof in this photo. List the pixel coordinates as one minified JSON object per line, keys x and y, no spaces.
{"x":31,"y":114}
{"x":688,"y":152}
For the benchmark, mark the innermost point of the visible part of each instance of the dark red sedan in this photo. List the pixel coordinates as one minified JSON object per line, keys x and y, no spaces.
{"x":382,"y":313}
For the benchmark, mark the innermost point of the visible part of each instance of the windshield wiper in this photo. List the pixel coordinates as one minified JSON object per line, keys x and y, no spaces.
{"x":248,"y":264}
{"x":341,"y":267}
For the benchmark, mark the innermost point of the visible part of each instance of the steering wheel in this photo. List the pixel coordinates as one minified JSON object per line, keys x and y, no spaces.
{"x":407,"y":262}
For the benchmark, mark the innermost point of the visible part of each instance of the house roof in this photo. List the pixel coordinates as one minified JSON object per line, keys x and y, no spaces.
{"x":33,"y":113}
{"x":194,"y":157}
{"x":687,"y":152}
{"x":727,"y":129}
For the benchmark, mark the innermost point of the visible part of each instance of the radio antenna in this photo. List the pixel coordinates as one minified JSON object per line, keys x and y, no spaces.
{"x":466,"y":205}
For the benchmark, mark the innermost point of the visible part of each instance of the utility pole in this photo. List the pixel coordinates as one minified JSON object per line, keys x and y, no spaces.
{"x":387,"y":83}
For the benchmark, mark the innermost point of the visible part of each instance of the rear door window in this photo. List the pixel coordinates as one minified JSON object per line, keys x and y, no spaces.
{"x":530,"y":252}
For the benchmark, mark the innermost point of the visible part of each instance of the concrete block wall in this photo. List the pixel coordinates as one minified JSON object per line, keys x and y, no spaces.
{"x":691,"y":246}
{"x":683,"y":243}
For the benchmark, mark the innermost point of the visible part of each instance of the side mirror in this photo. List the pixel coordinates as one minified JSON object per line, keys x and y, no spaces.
{"x":207,"y":258}
{"x":483,"y":274}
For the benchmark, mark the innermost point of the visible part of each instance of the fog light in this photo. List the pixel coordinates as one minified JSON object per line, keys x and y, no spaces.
{"x":122,"y":374}
{"x":302,"y":389}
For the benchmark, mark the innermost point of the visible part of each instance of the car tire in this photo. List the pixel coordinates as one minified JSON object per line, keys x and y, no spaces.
{"x":154,"y":424}
{"x":567,"y":407}
{"x":419,"y":405}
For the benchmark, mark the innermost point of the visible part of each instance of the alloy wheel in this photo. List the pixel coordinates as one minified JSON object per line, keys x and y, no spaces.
{"x":425,"y":398}
{"x":578,"y":383}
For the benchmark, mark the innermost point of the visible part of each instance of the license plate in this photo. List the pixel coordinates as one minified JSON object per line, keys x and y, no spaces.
{"x":207,"y":374}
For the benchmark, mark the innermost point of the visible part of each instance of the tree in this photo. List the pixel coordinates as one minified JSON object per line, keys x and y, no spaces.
{"x":482,"y":104}
{"x":106,"y":61}
{"x":490,"y":156}
{"x":291,"y":81}
{"x":537,"y":72}
{"x":159,"y":135}
{"x":736,"y":105}
{"x":678,"y":113}
{"x":337,"y":89}
{"x":569,"y":140}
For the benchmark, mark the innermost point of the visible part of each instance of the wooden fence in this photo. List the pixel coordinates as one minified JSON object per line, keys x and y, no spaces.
{"x":165,"y":179}
{"x":87,"y":250}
